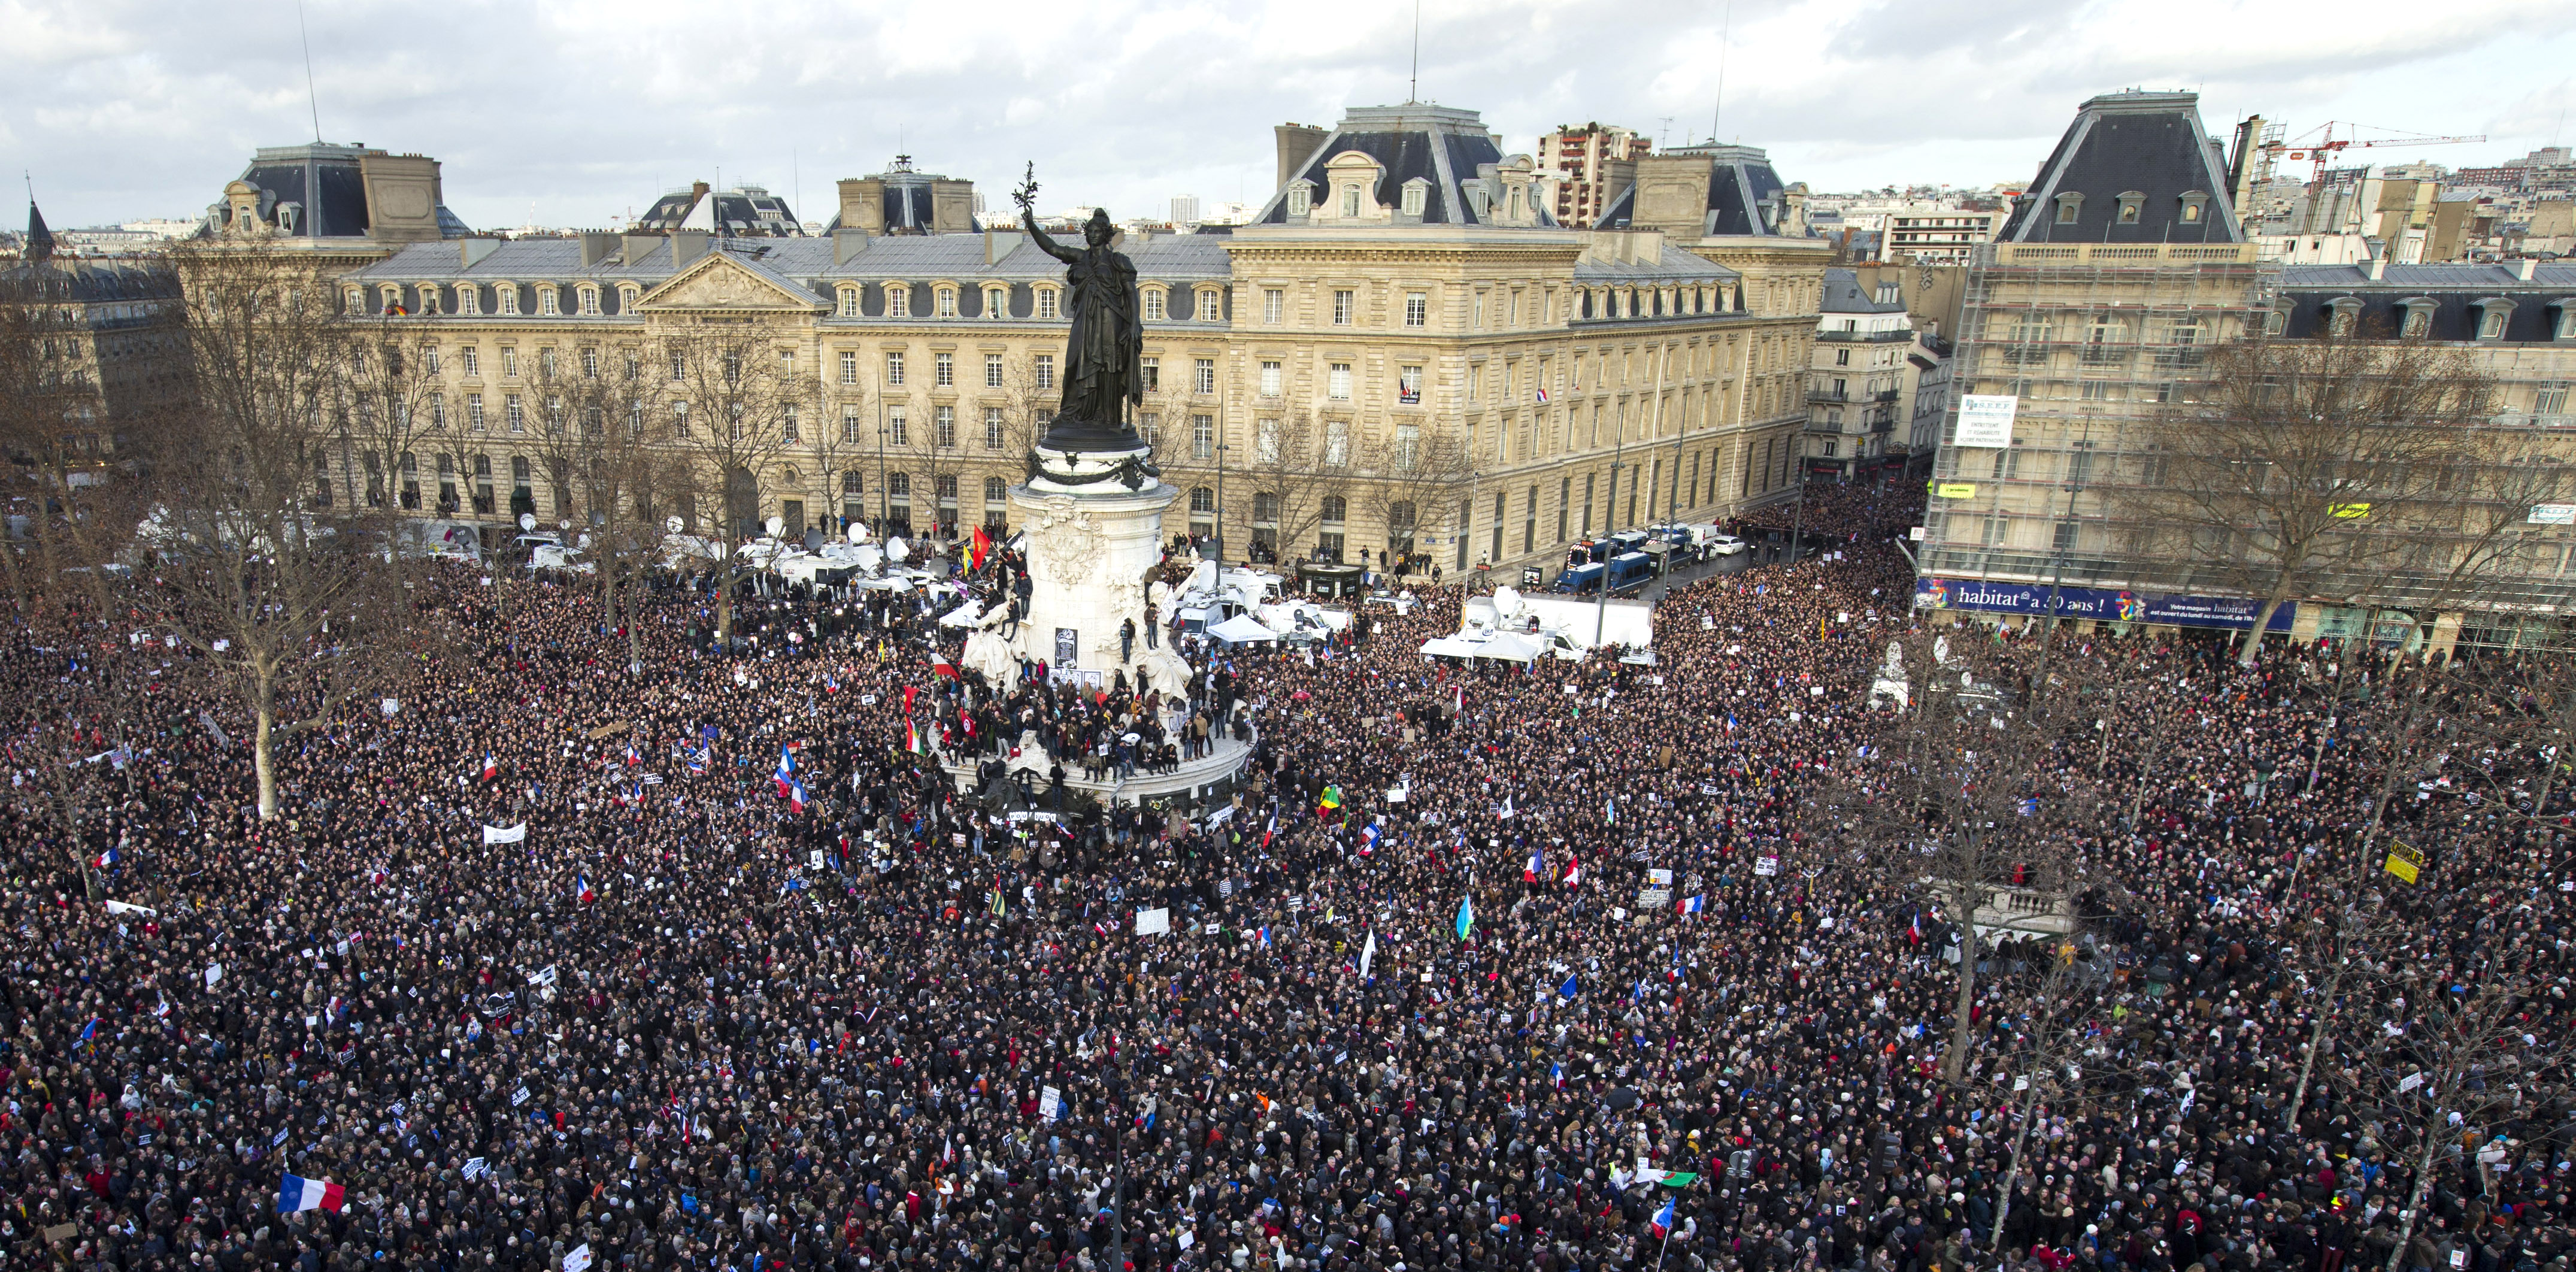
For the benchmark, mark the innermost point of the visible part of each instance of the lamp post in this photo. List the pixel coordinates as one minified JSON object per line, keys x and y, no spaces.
{"x":885,"y":508}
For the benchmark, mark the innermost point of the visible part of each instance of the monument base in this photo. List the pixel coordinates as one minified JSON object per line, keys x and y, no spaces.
{"x":1091,"y":540}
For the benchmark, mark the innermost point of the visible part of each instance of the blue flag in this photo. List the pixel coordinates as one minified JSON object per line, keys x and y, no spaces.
{"x":1567,"y":989}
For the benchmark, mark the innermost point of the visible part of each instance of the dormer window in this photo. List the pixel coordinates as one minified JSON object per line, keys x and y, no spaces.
{"x":469,"y":298}
{"x":627,"y":296}
{"x":357,"y":300}
{"x":508,"y":294}
{"x":1417,"y":193}
{"x":392,"y":294}
{"x":1301,"y":198}
{"x":2343,"y":314}
{"x":2417,"y":320}
{"x":1211,"y":305}
{"x":429,"y":298}
{"x":2195,"y":205}
{"x":1351,"y":202}
{"x":849,"y":302}
{"x":997,"y":303}
{"x":1154,"y":311}
{"x":2069,"y":207}
{"x":2565,"y":326}
{"x":2132,"y":202}
{"x":589,"y":301}
{"x":549,"y":301}
{"x":898,"y":300}
{"x":2495,"y":313}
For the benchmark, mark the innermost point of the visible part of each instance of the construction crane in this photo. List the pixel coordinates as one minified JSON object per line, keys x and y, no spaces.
{"x":2322,"y":145}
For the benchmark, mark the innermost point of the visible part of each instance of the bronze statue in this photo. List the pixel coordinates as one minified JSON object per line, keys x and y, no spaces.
{"x":1103,"y":355}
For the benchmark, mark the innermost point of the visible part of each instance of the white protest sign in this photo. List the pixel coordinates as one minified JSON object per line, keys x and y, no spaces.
{"x":1153,"y":922}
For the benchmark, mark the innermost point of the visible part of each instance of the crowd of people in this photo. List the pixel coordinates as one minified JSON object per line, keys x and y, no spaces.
{"x":552,"y":963}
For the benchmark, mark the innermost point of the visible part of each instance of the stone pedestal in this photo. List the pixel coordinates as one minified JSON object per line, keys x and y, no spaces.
{"x":1089,"y":547}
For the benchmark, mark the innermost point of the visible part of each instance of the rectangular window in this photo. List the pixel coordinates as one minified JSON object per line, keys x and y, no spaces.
{"x":943,"y":420}
{"x":894,"y":370}
{"x":1046,"y":370}
{"x":787,"y":430}
{"x":849,"y":368}
{"x":514,"y":413}
{"x":1270,"y":379}
{"x":547,"y":305}
{"x":438,"y":410}
{"x":1265,"y":441}
{"x":992,"y":370}
{"x":1338,"y":382}
{"x":508,"y":295}
{"x":992,"y":428}
{"x":1417,"y":309}
{"x":474,"y":411}
{"x":1408,"y":447}
{"x":1342,"y":306}
{"x":590,"y":363}
{"x":429,"y":358}
{"x":1274,"y":305}
{"x":469,"y":298}
{"x":1153,"y":369}
{"x":849,"y":302}
{"x":679,"y":419}
{"x":849,"y":426}
{"x":509,"y":362}
{"x":898,"y":300}
{"x":898,"y":429}
{"x":1408,"y":386}
{"x":1204,"y":374}
{"x":943,"y":370}
{"x":1046,"y":302}
{"x":1337,"y":442}
{"x":589,"y":302}
{"x":1211,"y":306}
{"x":1153,"y":306}
{"x":1202,"y":436}
{"x":947,"y":302}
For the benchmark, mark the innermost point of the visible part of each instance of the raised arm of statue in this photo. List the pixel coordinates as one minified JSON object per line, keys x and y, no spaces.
{"x":1029,"y":221}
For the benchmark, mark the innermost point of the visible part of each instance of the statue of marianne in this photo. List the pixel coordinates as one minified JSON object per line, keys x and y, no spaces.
{"x":1103,"y":355}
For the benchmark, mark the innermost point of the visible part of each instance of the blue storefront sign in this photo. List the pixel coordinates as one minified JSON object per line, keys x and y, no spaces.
{"x":2105,"y":604}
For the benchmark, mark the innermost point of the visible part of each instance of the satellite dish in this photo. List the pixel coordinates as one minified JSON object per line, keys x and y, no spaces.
{"x":895,"y":549}
{"x":774,"y":525}
{"x":858,"y":532}
{"x":527,"y":522}
{"x":672,"y":524}
{"x":814,"y":540}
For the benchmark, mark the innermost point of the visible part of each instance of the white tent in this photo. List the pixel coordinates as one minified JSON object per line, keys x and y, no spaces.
{"x":1241,"y":630}
{"x":965,"y":615}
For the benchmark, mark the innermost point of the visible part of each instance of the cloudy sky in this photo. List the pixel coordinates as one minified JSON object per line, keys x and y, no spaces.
{"x":571,"y":112}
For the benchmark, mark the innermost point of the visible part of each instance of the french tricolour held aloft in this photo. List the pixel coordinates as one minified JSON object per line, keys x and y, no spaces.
{"x":297,"y":1193}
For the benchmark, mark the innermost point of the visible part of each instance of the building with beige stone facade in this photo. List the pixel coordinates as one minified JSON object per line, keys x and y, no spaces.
{"x":1402,"y":354}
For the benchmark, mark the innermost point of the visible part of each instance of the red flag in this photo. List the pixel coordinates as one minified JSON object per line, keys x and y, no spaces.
{"x":908,"y":692}
{"x":939,"y":664}
{"x":978,"y":547}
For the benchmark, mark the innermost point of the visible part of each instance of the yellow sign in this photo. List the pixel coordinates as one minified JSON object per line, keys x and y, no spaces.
{"x":2404,"y":862}
{"x":2349,"y":511}
{"x":1956,"y":490}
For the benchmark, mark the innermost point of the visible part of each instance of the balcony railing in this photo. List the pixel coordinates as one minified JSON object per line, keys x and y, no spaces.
{"x":1866,"y":337}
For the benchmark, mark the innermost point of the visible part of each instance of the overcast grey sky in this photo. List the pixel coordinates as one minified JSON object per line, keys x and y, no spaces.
{"x":574,"y":111}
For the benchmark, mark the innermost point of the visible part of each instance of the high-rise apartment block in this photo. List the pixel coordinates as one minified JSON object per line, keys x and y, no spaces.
{"x":1588,"y":167}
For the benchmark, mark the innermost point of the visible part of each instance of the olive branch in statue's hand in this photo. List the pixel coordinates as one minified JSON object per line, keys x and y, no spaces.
{"x":1027,"y":194}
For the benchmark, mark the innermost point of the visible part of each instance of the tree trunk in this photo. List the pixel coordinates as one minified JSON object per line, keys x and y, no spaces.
{"x":2326,"y":1014}
{"x":262,"y":761}
{"x":2423,"y":1187}
{"x":2254,"y":635}
{"x":1955,"y":1063}
{"x":2012,"y":1172}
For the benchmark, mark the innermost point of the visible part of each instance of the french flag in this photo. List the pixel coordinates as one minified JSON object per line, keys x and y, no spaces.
{"x":491,"y":767}
{"x":1536,"y":870}
{"x":1662,"y":1225}
{"x":1692,"y":905}
{"x":1914,"y":930}
{"x":796,"y":796}
{"x":1368,"y":839}
{"x":786,"y":773}
{"x":581,"y":892}
{"x":296,"y":1193}
{"x":107,"y":859}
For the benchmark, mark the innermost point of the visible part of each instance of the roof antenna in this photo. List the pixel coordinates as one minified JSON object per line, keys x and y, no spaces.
{"x":311,"y":97}
{"x":1725,"y":29}
{"x":1413,"y":86}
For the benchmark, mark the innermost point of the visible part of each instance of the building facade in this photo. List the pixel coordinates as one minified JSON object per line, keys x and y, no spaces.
{"x":1400,"y":354}
{"x":1861,"y":387}
{"x":98,"y":352}
{"x":2097,"y":311}
{"x":1588,"y":166}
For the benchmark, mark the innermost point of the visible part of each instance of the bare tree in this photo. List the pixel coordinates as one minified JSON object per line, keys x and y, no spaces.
{"x":1969,"y":798}
{"x":1293,"y":463}
{"x":731,"y":397}
{"x":2307,"y":468}
{"x":1410,"y":476}
{"x":271,"y":584}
